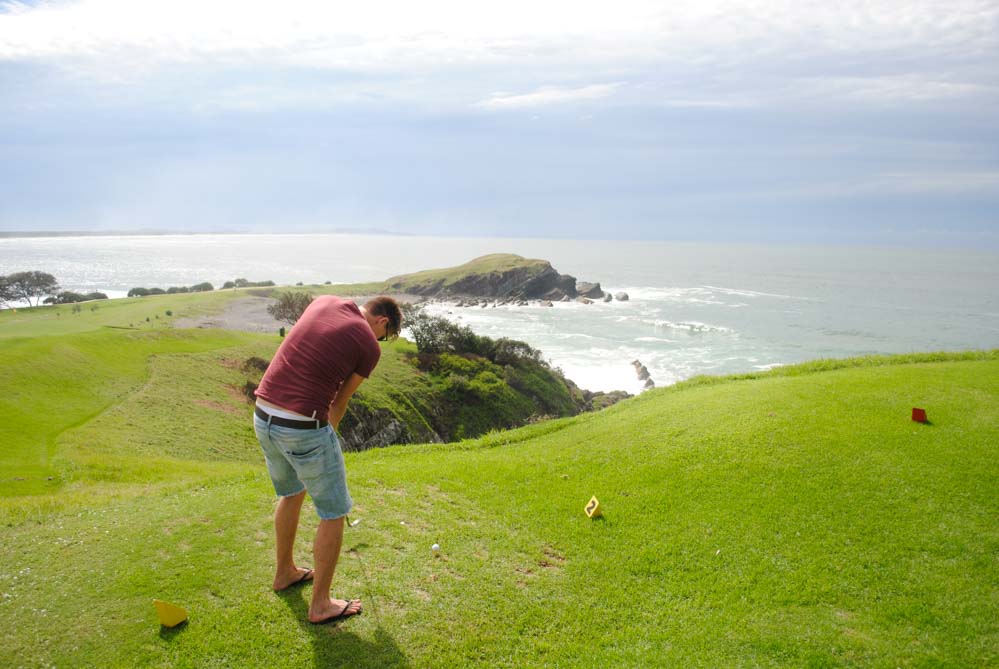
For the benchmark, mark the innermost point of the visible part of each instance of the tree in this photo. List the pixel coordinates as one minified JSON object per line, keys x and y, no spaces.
{"x":5,"y":294}
{"x":289,"y":306}
{"x":68,"y":297}
{"x":29,"y":285}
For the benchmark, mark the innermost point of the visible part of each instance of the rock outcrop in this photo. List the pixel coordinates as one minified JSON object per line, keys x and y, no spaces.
{"x":590,"y":290}
{"x":497,"y":277}
{"x":364,"y":428}
{"x":595,"y":401}
{"x":621,"y":296}
{"x":643,"y":374}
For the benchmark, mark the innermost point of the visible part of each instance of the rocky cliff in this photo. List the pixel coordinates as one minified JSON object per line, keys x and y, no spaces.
{"x":496,"y":276}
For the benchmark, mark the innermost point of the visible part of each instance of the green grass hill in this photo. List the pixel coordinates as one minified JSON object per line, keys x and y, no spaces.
{"x":790,"y":518}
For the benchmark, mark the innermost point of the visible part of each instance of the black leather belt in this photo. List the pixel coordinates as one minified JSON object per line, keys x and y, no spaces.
{"x":305,"y":424}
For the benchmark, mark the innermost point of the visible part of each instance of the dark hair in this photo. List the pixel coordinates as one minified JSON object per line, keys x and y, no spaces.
{"x":388,"y":307}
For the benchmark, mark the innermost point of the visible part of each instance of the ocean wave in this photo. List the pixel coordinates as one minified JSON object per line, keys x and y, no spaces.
{"x":671,"y":294}
{"x":574,"y":335}
{"x":656,"y":339}
{"x":751,"y":293}
{"x":693,"y":327}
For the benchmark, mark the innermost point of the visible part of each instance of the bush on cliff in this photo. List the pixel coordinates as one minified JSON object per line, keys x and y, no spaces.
{"x":485,"y":384}
{"x":474,"y":398}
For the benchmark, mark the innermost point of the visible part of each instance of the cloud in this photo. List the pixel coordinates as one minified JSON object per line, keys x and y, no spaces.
{"x":652,"y":109}
{"x":906,"y":88}
{"x":379,"y":35}
{"x":908,"y":184}
{"x":548,"y":95}
{"x":339,"y":34}
{"x":449,"y":56}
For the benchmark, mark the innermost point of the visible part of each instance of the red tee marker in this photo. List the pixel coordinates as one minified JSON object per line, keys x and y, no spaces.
{"x":919,"y":415}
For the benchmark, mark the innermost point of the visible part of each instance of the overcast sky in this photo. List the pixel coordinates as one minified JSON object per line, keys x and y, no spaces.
{"x":844,"y":122}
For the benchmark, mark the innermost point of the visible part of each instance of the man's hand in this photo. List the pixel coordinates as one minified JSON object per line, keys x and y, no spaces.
{"x":338,"y":407}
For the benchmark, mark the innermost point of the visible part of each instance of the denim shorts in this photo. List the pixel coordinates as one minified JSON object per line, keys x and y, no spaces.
{"x":309,"y":460}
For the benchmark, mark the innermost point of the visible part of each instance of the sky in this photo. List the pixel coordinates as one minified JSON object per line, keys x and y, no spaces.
{"x":856,"y":122}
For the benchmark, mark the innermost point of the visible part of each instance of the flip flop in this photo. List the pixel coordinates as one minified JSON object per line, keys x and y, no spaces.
{"x":307,"y":576}
{"x":340,"y":616}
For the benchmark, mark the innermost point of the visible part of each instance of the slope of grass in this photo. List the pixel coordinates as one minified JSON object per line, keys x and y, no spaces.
{"x":53,"y":384}
{"x":792,"y":519}
{"x":113,"y":414}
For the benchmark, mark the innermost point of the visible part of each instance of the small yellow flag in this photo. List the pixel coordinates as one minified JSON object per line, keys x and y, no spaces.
{"x":170,"y":615}
{"x":593,"y":508}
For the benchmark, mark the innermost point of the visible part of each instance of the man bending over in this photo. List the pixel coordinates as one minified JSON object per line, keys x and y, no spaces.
{"x":301,"y":399}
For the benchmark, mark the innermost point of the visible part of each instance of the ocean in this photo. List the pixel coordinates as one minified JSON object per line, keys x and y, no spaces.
{"x":694,"y":308}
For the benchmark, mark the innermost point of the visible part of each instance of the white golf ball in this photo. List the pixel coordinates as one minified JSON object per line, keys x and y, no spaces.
{"x":435,"y":547}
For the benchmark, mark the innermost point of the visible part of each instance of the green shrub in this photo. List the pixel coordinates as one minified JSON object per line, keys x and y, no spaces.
{"x":68,"y":297}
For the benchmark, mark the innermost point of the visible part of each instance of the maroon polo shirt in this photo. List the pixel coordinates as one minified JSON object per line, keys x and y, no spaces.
{"x":329,"y":342}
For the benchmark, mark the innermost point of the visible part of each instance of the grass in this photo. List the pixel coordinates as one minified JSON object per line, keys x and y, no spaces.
{"x":134,"y":313}
{"x":57,"y":383}
{"x":790,"y":518}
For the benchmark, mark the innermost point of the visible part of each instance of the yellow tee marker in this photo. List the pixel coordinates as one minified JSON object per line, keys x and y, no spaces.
{"x":593,"y":508}
{"x":170,"y":614}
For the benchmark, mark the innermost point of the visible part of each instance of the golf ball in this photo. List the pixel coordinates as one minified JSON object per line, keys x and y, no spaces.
{"x":435,"y":547}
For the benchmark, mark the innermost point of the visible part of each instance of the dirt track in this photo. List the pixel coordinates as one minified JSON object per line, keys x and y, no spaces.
{"x":249,"y":314}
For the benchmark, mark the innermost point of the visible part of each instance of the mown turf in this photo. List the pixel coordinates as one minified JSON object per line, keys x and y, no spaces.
{"x":795,"y":519}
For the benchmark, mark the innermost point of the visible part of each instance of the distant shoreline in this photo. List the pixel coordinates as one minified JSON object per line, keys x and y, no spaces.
{"x":21,"y":234}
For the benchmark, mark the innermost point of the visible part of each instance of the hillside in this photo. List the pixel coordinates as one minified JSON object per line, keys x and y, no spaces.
{"x":788,"y":518}
{"x":406,"y":401}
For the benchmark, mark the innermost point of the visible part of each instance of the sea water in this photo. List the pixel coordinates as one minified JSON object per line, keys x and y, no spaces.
{"x":693,"y":308}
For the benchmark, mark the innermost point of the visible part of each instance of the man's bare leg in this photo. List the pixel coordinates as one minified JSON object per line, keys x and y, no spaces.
{"x":326,"y":552}
{"x":285,"y":528}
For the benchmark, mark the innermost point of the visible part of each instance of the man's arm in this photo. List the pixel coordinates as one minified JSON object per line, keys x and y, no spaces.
{"x":338,"y":407}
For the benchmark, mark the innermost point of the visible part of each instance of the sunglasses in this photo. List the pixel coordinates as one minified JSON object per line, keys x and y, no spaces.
{"x":389,"y":335}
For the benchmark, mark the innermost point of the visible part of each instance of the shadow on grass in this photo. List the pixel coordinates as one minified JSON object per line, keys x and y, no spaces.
{"x":333,"y":645}
{"x":169,"y":633}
